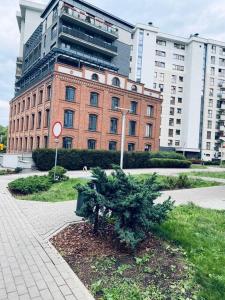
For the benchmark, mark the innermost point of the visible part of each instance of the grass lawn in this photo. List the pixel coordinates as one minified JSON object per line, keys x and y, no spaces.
{"x":63,"y":191}
{"x":198,"y":167}
{"x":209,"y":174}
{"x":201,"y":233}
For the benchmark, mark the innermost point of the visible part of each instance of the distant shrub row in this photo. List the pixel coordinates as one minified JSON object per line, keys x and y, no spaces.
{"x":77,"y":159}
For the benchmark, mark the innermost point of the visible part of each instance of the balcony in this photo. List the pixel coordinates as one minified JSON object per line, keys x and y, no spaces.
{"x":94,"y":24}
{"x":221,"y":95}
{"x":74,"y":35}
{"x":222,"y":128}
{"x":87,"y":58}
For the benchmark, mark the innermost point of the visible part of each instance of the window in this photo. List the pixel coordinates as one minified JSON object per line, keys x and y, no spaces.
{"x":211,"y":92}
{"x":170,"y":142}
{"x":131,"y":147}
{"x":170,"y":132}
{"x":34,"y":100}
{"x":178,"y":57}
{"x":172,"y":100}
{"x":210,"y":102}
{"x":213,"y":49}
{"x":54,"y":32}
{"x":113,"y":125}
{"x":134,"y":88}
{"x":133,"y":107}
{"x":212,"y":71}
{"x":221,"y":72}
{"x":179,"y":46}
{"x":132,"y":128}
{"x":67,"y":142}
{"x":32,"y":121}
{"x":23,"y":105}
{"x":155,"y":75}
{"x":49,"y":92}
{"x":31,"y":143}
{"x":116,"y":81}
{"x":171,"y":111}
{"x":46,"y":141}
{"x":160,"y":64}
{"x":68,"y":118}
{"x":92,"y":123}
{"x":148,"y":148}
{"x":150,"y":111}
{"x":213,"y":60}
{"x":177,"y":143}
{"x":91,"y":144}
{"x":208,"y":146}
{"x":18,"y":108}
{"x":28,"y":102}
{"x":179,"y":110}
{"x":180,"y":100}
{"x":160,"y":53}
{"x":95,"y":77}
{"x":115,"y":103}
{"x":209,"y":125}
{"x":178,"y":121}
{"x":161,"y":77}
{"x":161,"y":87}
{"x":178,"y":132}
{"x":174,"y":78}
{"x":38,"y":142}
{"x":112,"y":146}
{"x":47,"y":118}
{"x":222,"y":62}
{"x":173,"y":89}
{"x":210,"y":113}
{"x":27,"y":123}
{"x":209,"y":135}
{"x":181,"y":78}
{"x":70,"y":93}
{"x":55,"y":13}
{"x":171,"y":122}
{"x":39,"y":120}
{"x":94,"y":99}
{"x":148,"y":130}
{"x":180,"y":89}
{"x":161,"y":42}
{"x":178,"y":68}
{"x":41,"y":97}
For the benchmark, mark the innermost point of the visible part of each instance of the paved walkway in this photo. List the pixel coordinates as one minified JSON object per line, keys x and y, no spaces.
{"x":30,"y":268}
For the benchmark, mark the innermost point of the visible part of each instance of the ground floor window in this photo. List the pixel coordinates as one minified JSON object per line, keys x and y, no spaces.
{"x":91,"y":144}
{"x":112,"y":146}
{"x":131,"y":147}
{"x":148,"y":148}
{"x":67,"y":142}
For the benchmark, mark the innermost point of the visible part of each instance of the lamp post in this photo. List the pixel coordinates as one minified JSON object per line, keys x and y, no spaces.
{"x":124,"y":112}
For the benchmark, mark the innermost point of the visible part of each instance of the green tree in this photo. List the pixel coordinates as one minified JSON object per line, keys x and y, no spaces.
{"x":3,"y":135}
{"x":124,"y":201}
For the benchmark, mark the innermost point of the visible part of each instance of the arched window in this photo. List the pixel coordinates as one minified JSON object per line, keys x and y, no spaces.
{"x":95,"y":77}
{"x":134,"y":88}
{"x":116,"y":81}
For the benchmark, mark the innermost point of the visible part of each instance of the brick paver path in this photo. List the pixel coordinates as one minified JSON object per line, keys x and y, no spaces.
{"x":30,"y":268}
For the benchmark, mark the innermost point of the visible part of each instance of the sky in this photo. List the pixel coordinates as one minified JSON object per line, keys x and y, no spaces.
{"x":177,"y":17}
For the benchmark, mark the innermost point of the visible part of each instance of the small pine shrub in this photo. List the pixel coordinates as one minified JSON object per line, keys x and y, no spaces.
{"x":30,"y":185}
{"x":59,"y":173}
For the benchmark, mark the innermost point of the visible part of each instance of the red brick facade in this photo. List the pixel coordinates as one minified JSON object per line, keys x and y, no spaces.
{"x":33,"y":113}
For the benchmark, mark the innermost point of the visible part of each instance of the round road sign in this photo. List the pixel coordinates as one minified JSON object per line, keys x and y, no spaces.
{"x":57,"y":129}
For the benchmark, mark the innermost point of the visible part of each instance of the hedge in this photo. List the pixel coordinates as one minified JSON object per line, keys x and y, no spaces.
{"x":77,"y":159}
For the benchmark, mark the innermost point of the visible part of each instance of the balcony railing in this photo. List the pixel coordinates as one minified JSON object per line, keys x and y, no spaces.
{"x":91,"y":40}
{"x":97,"y":23}
{"x":90,"y":58}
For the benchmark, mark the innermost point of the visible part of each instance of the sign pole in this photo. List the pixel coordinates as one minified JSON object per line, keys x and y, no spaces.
{"x":56,"y":157}
{"x":57,"y":130}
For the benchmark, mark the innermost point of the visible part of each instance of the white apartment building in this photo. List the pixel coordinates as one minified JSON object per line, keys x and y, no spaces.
{"x":28,"y":18}
{"x":189,"y":72}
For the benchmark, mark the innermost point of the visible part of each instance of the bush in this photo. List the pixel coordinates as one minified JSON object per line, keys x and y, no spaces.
{"x":125,"y":202}
{"x":168,"y":163}
{"x":173,"y":182}
{"x":59,"y":173}
{"x":30,"y":185}
{"x":77,"y":159}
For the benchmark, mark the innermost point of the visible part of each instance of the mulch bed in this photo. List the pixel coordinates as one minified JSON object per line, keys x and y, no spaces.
{"x":85,"y":253}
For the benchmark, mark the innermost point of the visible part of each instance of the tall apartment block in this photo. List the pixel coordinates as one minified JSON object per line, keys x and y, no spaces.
{"x":189,"y":72}
{"x":75,"y":70}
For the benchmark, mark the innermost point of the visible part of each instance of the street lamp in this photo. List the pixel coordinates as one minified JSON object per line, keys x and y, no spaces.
{"x":124,"y":112}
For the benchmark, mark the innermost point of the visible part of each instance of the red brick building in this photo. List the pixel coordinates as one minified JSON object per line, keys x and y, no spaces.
{"x":85,"y":101}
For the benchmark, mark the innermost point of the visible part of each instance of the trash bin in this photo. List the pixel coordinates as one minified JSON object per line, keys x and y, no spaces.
{"x":80,"y":198}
